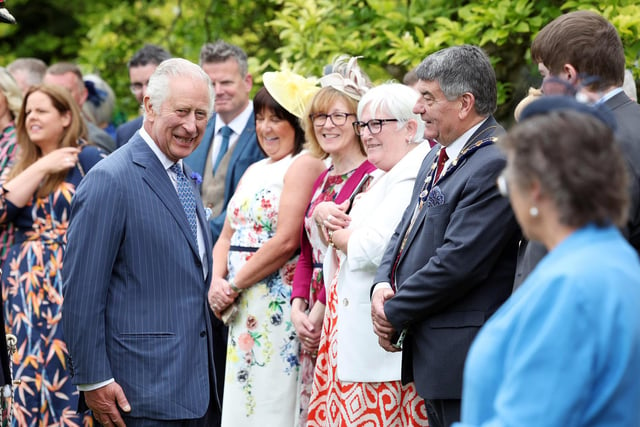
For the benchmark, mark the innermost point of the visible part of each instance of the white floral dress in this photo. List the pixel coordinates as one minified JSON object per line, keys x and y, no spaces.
{"x":262,"y":355}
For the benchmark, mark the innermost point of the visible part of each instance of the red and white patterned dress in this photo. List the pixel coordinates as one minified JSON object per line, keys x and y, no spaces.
{"x":336,"y":402}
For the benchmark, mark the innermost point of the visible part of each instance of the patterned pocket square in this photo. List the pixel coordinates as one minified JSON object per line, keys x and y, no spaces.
{"x":436,"y":197}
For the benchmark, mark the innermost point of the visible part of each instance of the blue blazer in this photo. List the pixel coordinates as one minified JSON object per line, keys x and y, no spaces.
{"x":125,"y":131}
{"x":135,"y":299}
{"x":246,"y":152}
{"x":456,"y":268}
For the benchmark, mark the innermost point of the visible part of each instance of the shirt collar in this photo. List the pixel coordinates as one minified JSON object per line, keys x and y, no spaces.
{"x":607,"y":96}
{"x":166,"y":162}
{"x":454,"y":149}
{"x":238,"y":124}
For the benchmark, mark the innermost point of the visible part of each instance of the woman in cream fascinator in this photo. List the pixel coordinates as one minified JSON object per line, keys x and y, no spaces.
{"x":255,"y":257}
{"x":329,"y":133}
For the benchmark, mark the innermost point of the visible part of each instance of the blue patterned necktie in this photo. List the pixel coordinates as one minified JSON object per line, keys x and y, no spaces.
{"x":188,"y":200}
{"x":226,"y":133}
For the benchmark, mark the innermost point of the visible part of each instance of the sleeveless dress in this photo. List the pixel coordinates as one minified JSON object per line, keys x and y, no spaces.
{"x":32,"y":293}
{"x":262,"y":354}
{"x":328,"y":191}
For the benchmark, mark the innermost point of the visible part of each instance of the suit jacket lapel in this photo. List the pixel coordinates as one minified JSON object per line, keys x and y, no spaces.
{"x":156,"y":177}
{"x":243,"y":141}
{"x":482,"y":132}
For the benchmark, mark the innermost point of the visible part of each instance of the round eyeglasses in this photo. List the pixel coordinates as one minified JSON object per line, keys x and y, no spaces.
{"x":374,"y":125}
{"x":338,"y":119}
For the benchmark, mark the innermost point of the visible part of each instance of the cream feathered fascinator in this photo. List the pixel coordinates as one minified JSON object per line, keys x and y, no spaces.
{"x":347,"y":77}
{"x":292,"y":91}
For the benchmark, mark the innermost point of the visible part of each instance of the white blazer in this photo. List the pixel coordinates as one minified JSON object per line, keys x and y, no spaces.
{"x":374,"y":216}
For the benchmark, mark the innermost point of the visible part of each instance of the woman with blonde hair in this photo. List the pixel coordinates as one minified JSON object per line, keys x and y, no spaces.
{"x":330,"y":135}
{"x":36,"y":198}
{"x":10,"y":102}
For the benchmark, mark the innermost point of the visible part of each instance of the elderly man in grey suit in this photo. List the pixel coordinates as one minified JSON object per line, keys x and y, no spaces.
{"x":450,"y":263}
{"x":580,"y":53}
{"x":138,"y":266}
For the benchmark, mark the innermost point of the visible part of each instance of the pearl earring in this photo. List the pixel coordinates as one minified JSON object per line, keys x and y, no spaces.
{"x":533,"y":211}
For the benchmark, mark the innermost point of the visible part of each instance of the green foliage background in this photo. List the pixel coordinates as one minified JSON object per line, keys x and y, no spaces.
{"x":304,"y":35}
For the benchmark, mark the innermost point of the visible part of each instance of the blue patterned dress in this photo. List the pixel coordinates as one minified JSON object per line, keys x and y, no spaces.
{"x":32,"y":294}
{"x":262,"y":354}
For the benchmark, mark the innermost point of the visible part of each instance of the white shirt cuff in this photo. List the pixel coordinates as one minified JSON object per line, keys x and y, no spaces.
{"x":381,"y":285}
{"x":95,"y":386}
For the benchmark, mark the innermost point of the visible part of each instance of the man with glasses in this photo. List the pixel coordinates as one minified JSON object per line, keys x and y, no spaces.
{"x":450,"y":263}
{"x":580,"y":54}
{"x":141,"y":65}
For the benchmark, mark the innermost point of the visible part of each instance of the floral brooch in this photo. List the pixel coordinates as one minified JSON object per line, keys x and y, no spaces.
{"x":196,"y":177}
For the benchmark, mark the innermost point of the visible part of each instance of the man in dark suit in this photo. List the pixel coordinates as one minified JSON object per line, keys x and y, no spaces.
{"x":138,"y":266}
{"x":450,"y":263}
{"x":141,"y":65}
{"x":580,"y":53}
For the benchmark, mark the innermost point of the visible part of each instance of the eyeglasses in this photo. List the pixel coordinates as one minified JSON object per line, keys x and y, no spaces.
{"x":374,"y":125}
{"x":137,"y":87}
{"x":338,"y":119}
{"x":503,"y":186}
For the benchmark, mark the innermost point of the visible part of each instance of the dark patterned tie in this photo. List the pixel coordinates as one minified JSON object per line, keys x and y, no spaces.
{"x":188,"y":200}
{"x":226,"y":133}
{"x":442,"y":159}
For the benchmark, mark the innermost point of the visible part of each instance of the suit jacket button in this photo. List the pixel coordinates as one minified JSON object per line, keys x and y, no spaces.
{"x":345,"y":302}
{"x":203,"y":333}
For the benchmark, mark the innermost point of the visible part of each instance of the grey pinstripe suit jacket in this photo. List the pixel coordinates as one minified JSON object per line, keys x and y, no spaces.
{"x":135,"y":306}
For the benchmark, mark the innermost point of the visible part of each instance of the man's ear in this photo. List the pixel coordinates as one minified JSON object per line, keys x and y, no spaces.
{"x":148,"y":109}
{"x":570,"y":73}
{"x":467,"y":104}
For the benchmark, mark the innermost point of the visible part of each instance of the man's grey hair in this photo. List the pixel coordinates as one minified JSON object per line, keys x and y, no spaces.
{"x":461,"y":69}
{"x":220,"y":51}
{"x":173,"y":68}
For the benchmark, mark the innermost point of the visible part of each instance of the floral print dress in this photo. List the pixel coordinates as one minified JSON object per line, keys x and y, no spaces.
{"x":262,"y":354}
{"x":32,"y":294}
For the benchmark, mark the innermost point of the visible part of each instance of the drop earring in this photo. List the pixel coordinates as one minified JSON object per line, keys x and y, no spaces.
{"x":533,"y":211}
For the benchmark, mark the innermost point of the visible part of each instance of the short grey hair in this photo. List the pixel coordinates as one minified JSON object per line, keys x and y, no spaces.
{"x":33,"y":69}
{"x":158,"y":87}
{"x":461,"y":69}
{"x":394,"y":99}
{"x":220,"y":51}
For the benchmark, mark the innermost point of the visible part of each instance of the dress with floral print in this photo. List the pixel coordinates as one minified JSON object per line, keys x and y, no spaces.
{"x":32,"y":294}
{"x":262,"y":354}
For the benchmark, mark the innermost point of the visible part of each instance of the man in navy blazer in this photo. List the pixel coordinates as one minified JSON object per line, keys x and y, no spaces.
{"x":583,"y":50}
{"x":141,"y":65}
{"x":450,"y":263}
{"x":227,"y":67}
{"x":136,"y":274}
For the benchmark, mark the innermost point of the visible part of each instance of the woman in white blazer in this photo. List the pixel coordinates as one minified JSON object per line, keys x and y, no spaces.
{"x":353,"y":373}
